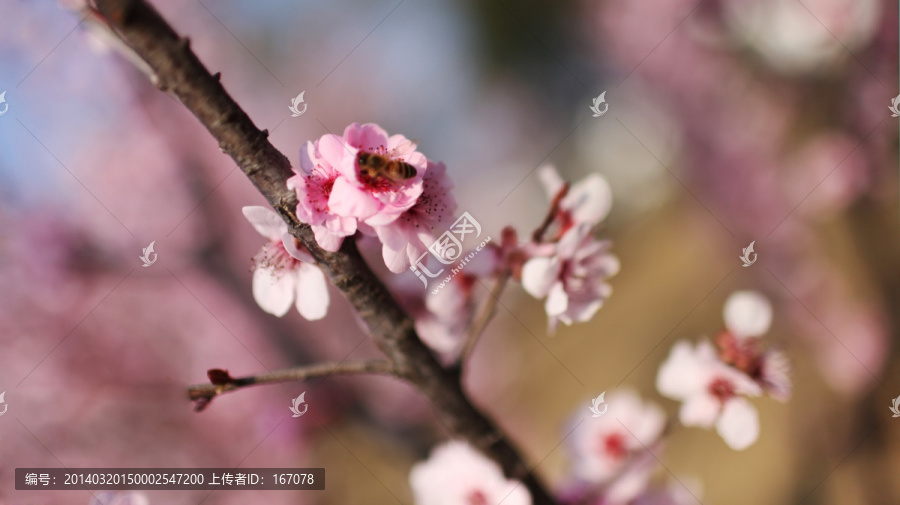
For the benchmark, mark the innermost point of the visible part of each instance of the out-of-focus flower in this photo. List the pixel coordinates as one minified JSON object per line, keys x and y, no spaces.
{"x":587,"y":201}
{"x":314,"y":185}
{"x":408,"y":237}
{"x":573,"y":279}
{"x":794,"y":37}
{"x":457,"y":474}
{"x":375,"y":199}
{"x":712,"y":393}
{"x":612,"y":450}
{"x":747,"y":314}
{"x":283,"y":272}
{"x":119,"y":498}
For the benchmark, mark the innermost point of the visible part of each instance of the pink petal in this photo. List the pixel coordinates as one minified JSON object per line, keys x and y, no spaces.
{"x":333,"y":149}
{"x":350,"y":201}
{"x":327,"y":239}
{"x":274,"y":291}
{"x":681,"y":375}
{"x":739,"y":424}
{"x":312,"y":293}
{"x":290,"y":245}
{"x":265,"y":221}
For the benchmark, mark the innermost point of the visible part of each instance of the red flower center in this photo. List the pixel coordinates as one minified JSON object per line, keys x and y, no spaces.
{"x":476,"y":498}
{"x":722,"y":389}
{"x":613,"y":445}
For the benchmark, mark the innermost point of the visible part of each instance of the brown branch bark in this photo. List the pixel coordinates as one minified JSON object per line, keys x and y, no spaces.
{"x":178,"y":71}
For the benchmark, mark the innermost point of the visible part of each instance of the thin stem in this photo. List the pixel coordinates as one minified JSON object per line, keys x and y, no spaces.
{"x":300,"y":373}
{"x":485,"y":314}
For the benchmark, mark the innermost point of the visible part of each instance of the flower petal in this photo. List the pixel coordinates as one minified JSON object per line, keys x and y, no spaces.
{"x":699,"y":410}
{"x":290,"y":245}
{"x":265,"y":221}
{"x":747,"y":314}
{"x":274,"y":290}
{"x":538,"y":276}
{"x":739,"y":424}
{"x":312,"y":293}
{"x":557,"y":300}
{"x":589,"y":200}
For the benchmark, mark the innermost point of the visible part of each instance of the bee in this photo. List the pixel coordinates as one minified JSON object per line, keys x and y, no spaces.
{"x":373,"y":166}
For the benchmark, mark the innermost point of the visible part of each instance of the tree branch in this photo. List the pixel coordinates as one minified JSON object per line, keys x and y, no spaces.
{"x":177,"y":70}
{"x":221,"y":382}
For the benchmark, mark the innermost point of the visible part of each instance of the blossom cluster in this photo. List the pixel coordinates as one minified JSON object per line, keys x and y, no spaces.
{"x":366,"y":183}
{"x":714,"y":382}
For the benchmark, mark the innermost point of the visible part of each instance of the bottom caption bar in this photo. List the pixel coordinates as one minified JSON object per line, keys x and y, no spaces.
{"x":150,"y":479}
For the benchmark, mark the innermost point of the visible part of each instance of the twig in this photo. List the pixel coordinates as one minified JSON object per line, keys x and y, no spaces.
{"x":489,"y":307}
{"x":222,"y":383}
{"x":178,"y":71}
{"x":484,"y":315}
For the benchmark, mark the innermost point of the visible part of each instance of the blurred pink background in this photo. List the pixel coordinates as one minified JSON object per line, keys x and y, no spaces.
{"x":729,"y":121}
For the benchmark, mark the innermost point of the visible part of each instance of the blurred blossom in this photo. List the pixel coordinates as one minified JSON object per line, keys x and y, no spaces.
{"x":747,"y":314}
{"x":573,"y":278}
{"x":797,"y":37}
{"x":586,"y":202}
{"x":713,"y":394}
{"x":457,"y":474}
{"x":283,"y":271}
{"x":119,"y":498}
{"x":610,"y":452}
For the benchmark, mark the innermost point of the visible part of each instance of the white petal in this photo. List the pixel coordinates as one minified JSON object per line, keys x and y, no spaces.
{"x":274,"y":291}
{"x":538,"y":276}
{"x":747,"y":314}
{"x":312,"y":293}
{"x":739,"y":424}
{"x":699,"y":410}
{"x":589,"y":200}
{"x":557,"y":300}
{"x":265,"y":221}
{"x":551,"y":180}
{"x":681,"y":374}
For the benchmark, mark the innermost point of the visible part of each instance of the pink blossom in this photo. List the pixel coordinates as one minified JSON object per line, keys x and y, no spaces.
{"x":712,"y":393}
{"x":573,"y":279}
{"x":587,"y":201}
{"x":284,"y":273}
{"x":443,"y":326}
{"x":457,"y":474}
{"x":314,"y":185}
{"x":748,"y":314}
{"x":611,"y":450}
{"x":376,"y":201}
{"x":408,"y":237}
